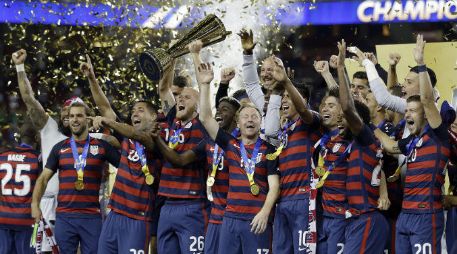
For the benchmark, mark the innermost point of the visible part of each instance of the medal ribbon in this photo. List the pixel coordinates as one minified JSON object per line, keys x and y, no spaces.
{"x":173,"y":141}
{"x":322,"y":143}
{"x":217,"y":157}
{"x":380,"y":125}
{"x":249,"y":163}
{"x":144,"y":165}
{"x":79,"y":164}
{"x":333,"y":165}
{"x":282,"y":141}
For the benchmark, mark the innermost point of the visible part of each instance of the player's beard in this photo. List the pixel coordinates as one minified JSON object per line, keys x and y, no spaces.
{"x":65,"y":130}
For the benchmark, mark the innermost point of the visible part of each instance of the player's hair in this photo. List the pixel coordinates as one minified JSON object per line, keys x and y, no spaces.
{"x":431,"y":74}
{"x":240,"y":94}
{"x":415,"y":98}
{"x":151,"y":107}
{"x":180,"y":81}
{"x":87,"y":110}
{"x":247,"y":105}
{"x":360,"y":75}
{"x":232,"y":101}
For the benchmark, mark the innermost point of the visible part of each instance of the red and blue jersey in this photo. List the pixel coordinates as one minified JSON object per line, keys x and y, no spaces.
{"x":295,"y":159}
{"x":334,"y":152}
{"x":131,"y":196}
{"x":187,"y":181}
{"x":220,"y":188}
{"x":19,"y":169}
{"x":241,"y":204}
{"x":362,"y":195}
{"x":428,"y":155}
{"x":83,"y":203}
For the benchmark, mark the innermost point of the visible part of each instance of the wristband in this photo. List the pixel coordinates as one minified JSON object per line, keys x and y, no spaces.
{"x":422,"y":68}
{"x":20,"y":67}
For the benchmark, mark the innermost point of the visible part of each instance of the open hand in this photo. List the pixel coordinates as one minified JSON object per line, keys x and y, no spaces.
{"x":259,"y":223}
{"x":204,"y":74}
{"x":247,"y":41}
{"x":419,"y":50}
{"x":341,"y":53}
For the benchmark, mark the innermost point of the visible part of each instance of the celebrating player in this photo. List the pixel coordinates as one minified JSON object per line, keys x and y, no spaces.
{"x":253,"y":180}
{"x":19,"y":169}
{"x":80,"y":160}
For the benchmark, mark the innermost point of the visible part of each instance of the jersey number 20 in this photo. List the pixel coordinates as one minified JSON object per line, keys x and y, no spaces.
{"x":18,"y":178}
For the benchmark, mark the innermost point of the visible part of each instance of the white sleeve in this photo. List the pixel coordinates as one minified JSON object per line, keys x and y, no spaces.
{"x":379,"y":89}
{"x":252,"y":83}
{"x":272,"y":118}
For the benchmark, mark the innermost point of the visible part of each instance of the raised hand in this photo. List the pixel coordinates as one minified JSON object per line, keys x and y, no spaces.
{"x":87,"y":69}
{"x":227,"y":74}
{"x":195,"y":46}
{"x":279,"y":72}
{"x":19,"y":57}
{"x":97,"y":122}
{"x":247,"y":41}
{"x":419,"y":50}
{"x":332,"y":62}
{"x":394,"y":59}
{"x":371,"y":57}
{"x":341,"y":53}
{"x":359,"y":55}
{"x":322,"y":66}
{"x":204,"y":74}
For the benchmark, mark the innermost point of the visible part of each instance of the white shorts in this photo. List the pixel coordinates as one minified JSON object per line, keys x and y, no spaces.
{"x":48,"y":207}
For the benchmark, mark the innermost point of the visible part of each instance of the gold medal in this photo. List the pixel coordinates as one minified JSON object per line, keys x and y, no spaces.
{"x":273,"y":156}
{"x":255,"y":190}
{"x":172,"y":145}
{"x":322,"y":180}
{"x":320,"y":171}
{"x":210,"y":181}
{"x":79,"y":185}
{"x":149,"y":179}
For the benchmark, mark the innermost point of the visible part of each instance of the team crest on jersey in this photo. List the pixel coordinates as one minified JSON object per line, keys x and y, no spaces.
{"x":93,"y":150}
{"x":259,"y":158}
{"x":336,"y":147}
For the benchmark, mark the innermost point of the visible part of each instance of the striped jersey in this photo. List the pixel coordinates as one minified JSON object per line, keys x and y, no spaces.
{"x":19,"y":169}
{"x":131,"y":196}
{"x":425,"y":170}
{"x":333,"y":191}
{"x":295,"y":159}
{"x":83,"y":203}
{"x":241,"y":204}
{"x":220,"y":188}
{"x":188,"y":181}
{"x":362,"y":196}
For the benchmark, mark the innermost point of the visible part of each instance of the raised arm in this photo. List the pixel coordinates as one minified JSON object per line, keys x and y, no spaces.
{"x":346,"y":100}
{"x":250,"y":76}
{"x":392,"y":78}
{"x":38,"y":191}
{"x":35,"y":110}
{"x":322,"y":67}
{"x":432,"y":112}
{"x":378,"y":87}
{"x":126,"y":130}
{"x":280,"y":75}
{"x":166,"y":96}
{"x":97,"y":93}
{"x":388,"y":144}
{"x":204,"y":77}
{"x":227,"y":74}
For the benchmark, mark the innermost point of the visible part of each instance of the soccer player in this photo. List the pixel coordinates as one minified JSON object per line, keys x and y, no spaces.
{"x":298,"y":135}
{"x":253,"y":180}
{"x":130,"y":223}
{"x":184,"y":216}
{"x":80,"y":160}
{"x":19,"y":169}
{"x":420,"y":224}
{"x":366,"y":231}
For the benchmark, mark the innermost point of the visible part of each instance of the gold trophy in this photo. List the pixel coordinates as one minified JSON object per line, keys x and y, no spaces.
{"x":210,"y":31}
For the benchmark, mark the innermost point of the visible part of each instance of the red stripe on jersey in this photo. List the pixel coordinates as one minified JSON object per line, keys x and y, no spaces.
{"x":187,"y":181}
{"x":131,"y":196}
{"x":295,"y":161}
{"x":19,"y":169}
{"x":425,"y":175}
{"x":220,"y":188}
